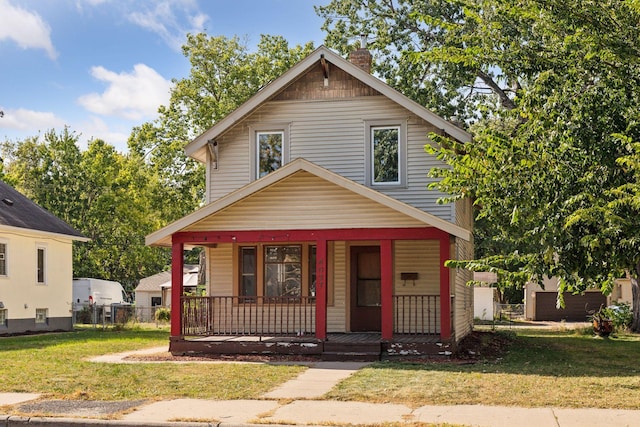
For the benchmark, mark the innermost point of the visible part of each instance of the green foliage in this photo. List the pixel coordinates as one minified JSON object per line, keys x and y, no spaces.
{"x":621,"y":314}
{"x":163,"y":314}
{"x":100,"y":192}
{"x":553,"y":168}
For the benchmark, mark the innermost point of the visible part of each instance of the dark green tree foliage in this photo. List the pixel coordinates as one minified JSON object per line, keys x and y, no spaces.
{"x":100,"y":192}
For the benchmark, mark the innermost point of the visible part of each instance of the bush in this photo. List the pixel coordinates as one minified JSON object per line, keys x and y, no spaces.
{"x":621,"y":315}
{"x":163,"y":314}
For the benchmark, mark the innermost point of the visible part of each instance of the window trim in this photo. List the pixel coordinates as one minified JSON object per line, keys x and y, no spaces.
{"x":41,"y":247}
{"x":5,"y":314}
{"x":401,"y":125}
{"x":253,"y":138}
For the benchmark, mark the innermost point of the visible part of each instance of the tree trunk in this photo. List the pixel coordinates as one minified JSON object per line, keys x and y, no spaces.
{"x":635,"y":296}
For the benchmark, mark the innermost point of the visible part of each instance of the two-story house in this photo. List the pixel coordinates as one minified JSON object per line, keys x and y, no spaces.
{"x":319,"y":228}
{"x":36,"y":266}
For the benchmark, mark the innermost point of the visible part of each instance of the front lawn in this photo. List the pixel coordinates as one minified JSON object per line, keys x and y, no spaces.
{"x":56,"y":364}
{"x":540,"y":369}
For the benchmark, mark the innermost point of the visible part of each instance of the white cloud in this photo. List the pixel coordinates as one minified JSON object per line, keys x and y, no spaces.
{"x":171,"y":21}
{"x":133,"y":96}
{"x":25,"y":28}
{"x":27,"y":120}
{"x":113,"y":133}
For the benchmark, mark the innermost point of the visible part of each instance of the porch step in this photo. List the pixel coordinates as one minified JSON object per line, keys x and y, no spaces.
{"x":351,"y":351}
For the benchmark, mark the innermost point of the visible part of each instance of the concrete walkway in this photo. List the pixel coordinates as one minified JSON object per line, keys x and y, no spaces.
{"x":290,"y":404}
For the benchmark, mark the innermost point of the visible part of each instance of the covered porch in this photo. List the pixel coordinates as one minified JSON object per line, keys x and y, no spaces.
{"x":402,"y":318}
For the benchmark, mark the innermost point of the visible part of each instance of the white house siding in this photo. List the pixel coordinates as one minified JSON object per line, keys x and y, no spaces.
{"x":304,"y":201}
{"x":220,"y":270}
{"x":331,"y":133}
{"x":19,"y":292}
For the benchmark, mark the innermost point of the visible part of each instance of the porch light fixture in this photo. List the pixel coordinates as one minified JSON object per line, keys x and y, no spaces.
{"x":213,"y":151}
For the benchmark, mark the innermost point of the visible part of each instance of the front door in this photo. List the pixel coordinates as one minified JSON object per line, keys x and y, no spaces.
{"x":365,"y":289}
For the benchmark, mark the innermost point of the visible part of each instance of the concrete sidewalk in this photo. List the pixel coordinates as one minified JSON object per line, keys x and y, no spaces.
{"x":289,"y":404}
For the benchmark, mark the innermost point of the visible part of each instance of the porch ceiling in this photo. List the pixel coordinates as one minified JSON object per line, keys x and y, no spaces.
{"x":304,"y":196}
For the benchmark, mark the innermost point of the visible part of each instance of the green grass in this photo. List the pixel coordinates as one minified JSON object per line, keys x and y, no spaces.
{"x":541,"y":368}
{"x":56,"y":365}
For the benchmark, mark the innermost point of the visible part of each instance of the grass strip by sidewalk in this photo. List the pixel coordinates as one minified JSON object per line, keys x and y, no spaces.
{"x":540,"y":369}
{"x":56,"y":364}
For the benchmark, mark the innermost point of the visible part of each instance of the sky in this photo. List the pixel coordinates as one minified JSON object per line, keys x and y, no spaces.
{"x":102,"y":67}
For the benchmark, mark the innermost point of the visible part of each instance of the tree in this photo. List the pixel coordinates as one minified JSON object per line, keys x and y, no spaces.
{"x":101,"y":193}
{"x":553,"y":165}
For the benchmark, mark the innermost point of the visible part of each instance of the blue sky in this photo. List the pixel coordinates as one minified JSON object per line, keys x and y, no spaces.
{"x":102,"y":67}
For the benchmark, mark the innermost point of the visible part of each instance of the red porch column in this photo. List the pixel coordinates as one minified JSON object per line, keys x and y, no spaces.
{"x":386,"y":288}
{"x":177,"y":265}
{"x":321,"y":289}
{"x":445,"y":289}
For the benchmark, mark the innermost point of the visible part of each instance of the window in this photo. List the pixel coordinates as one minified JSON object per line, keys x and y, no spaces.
{"x":3,"y":259}
{"x":42,"y":264}
{"x":41,"y":315}
{"x":268,"y":270}
{"x":156,"y":301}
{"x":248,"y":271}
{"x":283,"y":271}
{"x":270,"y":152}
{"x":386,"y":148}
{"x":3,"y":317}
{"x":270,"y":148}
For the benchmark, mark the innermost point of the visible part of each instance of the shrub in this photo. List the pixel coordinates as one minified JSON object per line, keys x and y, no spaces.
{"x":163,"y":314}
{"x":621,"y":315}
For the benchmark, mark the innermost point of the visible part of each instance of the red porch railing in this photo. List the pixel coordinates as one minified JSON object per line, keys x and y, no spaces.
{"x":255,"y":316}
{"x":416,"y":314}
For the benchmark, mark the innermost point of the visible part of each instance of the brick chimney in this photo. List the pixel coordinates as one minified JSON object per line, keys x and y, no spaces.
{"x":361,"y":57}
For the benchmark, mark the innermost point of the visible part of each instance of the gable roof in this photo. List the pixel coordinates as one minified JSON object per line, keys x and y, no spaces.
{"x":197,"y":147}
{"x":162,"y":237}
{"x":154,"y":283}
{"x":16,"y":210}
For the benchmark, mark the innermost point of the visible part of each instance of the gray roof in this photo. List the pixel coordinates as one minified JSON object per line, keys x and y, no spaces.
{"x":16,"y":210}
{"x":152,"y":283}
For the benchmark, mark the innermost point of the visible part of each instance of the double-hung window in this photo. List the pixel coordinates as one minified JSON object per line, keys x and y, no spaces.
{"x":41,"y":260}
{"x":270,"y":149}
{"x":3,"y":259}
{"x":386,"y":153}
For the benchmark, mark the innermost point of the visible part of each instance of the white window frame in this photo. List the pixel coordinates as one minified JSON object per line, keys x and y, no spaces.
{"x":5,"y":257}
{"x":370,"y":126}
{"x":45,"y":321}
{"x":282,"y":128}
{"x":4,"y":315}
{"x":45,"y":262}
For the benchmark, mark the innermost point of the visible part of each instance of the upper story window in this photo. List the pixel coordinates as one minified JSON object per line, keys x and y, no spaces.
{"x":41,"y":273}
{"x":3,"y":259}
{"x":386,"y":153}
{"x":270,"y":148}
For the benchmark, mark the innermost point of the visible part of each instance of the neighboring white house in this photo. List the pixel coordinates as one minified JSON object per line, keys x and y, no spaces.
{"x":36,"y":266}
{"x":155,"y":291}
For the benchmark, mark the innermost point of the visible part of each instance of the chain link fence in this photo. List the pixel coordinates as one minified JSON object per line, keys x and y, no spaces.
{"x":92,"y":314}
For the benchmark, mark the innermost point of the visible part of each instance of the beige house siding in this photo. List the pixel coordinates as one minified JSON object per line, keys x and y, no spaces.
{"x":19,"y":292}
{"x":330,"y":134}
{"x":337,"y":312}
{"x":304,"y":201}
{"x":463,"y":302}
